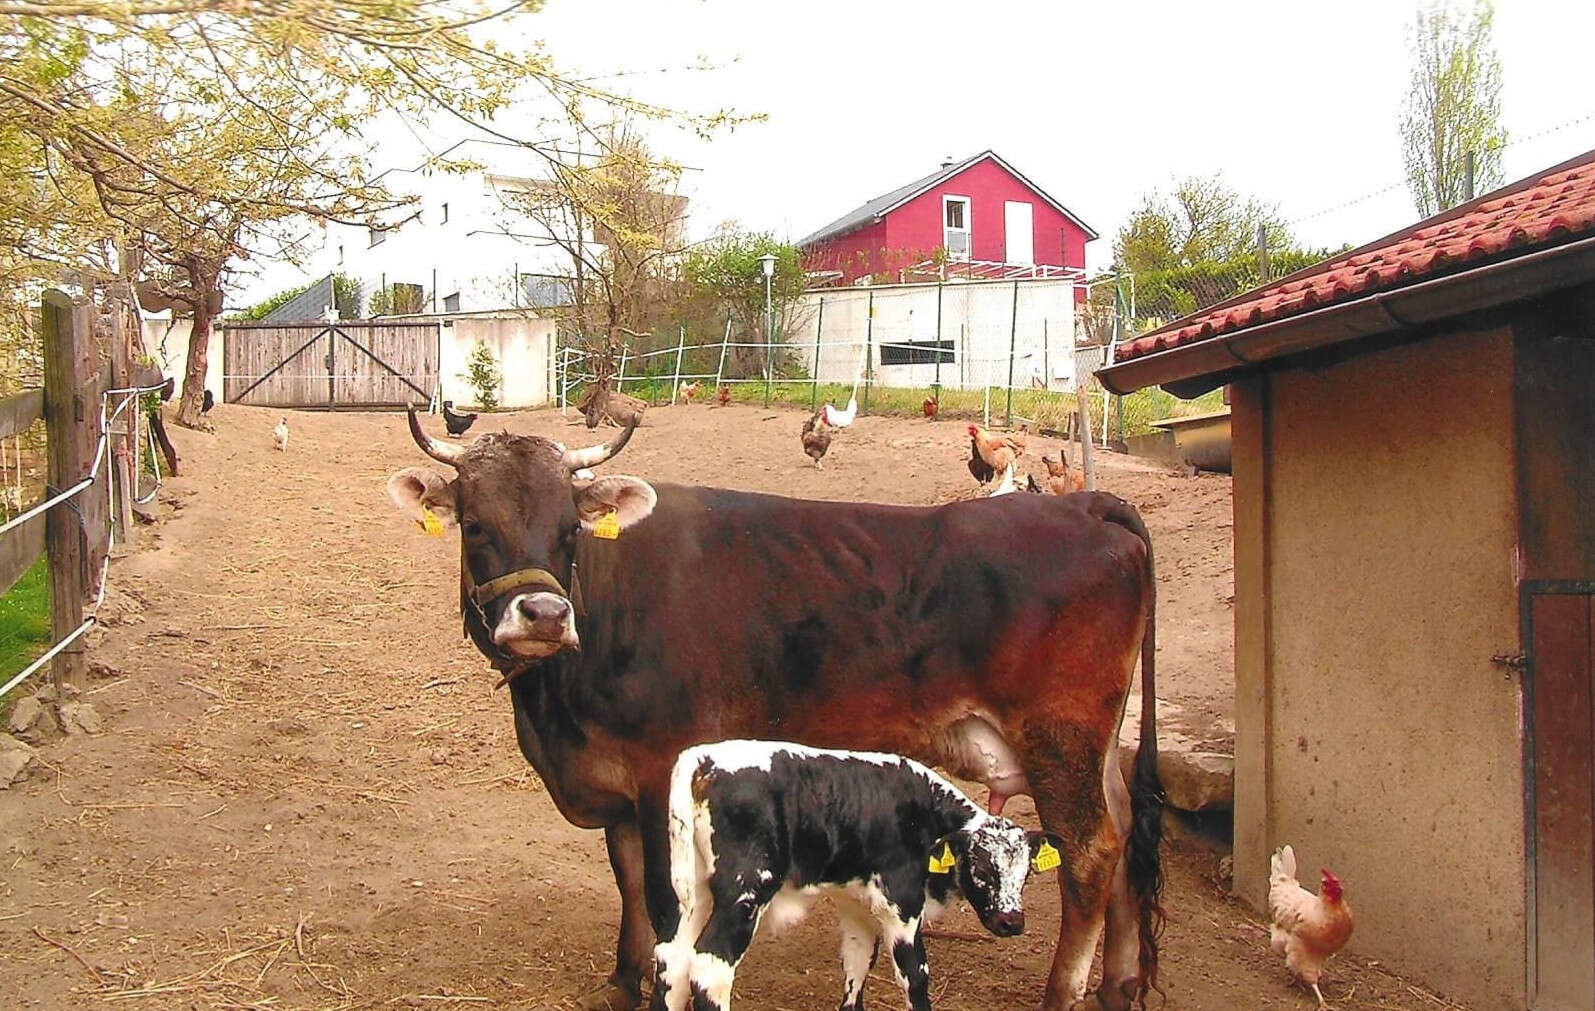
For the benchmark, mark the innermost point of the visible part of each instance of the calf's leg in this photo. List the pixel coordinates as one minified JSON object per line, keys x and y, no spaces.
{"x":860,"y":946}
{"x":902,"y":939}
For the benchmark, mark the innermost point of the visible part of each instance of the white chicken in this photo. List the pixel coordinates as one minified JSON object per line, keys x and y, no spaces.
{"x":1307,"y":929}
{"x":279,"y":435}
{"x":840,"y":418}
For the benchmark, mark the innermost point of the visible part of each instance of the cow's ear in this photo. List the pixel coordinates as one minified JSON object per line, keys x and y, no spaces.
{"x":631,"y":499}
{"x":420,"y":493}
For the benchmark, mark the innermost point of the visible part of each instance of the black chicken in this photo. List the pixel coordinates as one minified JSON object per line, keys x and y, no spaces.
{"x":456,"y":423}
{"x":206,"y":404}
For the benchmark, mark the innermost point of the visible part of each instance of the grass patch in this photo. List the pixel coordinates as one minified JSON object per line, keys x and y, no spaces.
{"x":1046,"y":410}
{"x":24,"y":621}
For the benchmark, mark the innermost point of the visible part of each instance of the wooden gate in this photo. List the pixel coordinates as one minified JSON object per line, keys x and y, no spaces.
{"x":330,"y":365}
{"x":1562,"y":806}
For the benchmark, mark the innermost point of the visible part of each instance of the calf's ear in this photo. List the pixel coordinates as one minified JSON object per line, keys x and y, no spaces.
{"x":420,"y":493}
{"x":631,"y":499}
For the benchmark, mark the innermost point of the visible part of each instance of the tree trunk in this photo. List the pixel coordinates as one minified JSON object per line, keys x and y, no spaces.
{"x":188,"y":412}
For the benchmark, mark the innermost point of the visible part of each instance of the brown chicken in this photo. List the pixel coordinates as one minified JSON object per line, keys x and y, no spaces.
{"x":930,"y":407}
{"x":689,"y":391}
{"x":1061,"y":478}
{"x":991,"y":454}
{"x":1308,"y":929}
{"x":723,"y":395}
{"x":816,"y":437}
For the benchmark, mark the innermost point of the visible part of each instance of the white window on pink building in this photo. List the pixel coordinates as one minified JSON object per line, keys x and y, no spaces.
{"x":955,"y":227}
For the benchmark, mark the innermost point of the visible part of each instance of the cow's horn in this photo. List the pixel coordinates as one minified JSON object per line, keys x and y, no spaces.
{"x":442,"y":452}
{"x":592,"y":456}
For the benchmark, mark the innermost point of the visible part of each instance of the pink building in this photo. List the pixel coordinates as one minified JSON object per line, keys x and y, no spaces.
{"x":980,"y":213}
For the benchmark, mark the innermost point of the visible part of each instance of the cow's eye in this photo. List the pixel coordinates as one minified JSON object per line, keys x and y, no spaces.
{"x":471,"y":529}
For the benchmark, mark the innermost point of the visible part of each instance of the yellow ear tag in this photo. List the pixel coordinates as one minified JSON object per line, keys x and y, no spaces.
{"x":607,"y":526}
{"x":430,"y":523}
{"x":942,"y":863}
{"x":1046,"y":858}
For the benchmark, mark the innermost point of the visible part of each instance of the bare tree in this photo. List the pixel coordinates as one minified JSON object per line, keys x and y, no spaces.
{"x":618,"y":217}
{"x":1454,"y":109}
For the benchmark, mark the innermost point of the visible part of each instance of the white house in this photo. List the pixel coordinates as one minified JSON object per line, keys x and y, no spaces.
{"x":461,"y":246}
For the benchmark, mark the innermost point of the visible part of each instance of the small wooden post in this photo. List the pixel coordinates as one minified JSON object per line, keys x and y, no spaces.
{"x":819,"y":327}
{"x":1083,"y":427}
{"x":681,"y":345}
{"x":66,"y":417}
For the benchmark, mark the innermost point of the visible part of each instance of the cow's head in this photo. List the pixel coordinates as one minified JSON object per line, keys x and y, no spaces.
{"x":992,"y":861}
{"x":520,"y":502}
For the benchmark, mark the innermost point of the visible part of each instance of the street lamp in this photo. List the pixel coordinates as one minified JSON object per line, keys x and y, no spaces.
{"x":767,"y":266}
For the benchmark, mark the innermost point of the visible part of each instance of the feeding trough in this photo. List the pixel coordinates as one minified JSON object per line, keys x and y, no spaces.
{"x":1201,"y":441}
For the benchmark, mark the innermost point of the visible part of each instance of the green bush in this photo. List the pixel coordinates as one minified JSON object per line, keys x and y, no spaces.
{"x":482,"y":372}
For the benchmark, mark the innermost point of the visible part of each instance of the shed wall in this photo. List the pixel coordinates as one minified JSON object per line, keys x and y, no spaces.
{"x":1376,"y":521}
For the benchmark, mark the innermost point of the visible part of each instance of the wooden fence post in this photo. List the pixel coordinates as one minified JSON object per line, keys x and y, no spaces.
{"x":125,"y":431}
{"x":67,"y":418}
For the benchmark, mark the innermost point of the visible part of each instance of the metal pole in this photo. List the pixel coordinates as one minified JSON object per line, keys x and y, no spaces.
{"x":1262,"y":254}
{"x":1013,"y":335}
{"x":1467,"y":176}
{"x":769,"y":345}
{"x":819,"y":327}
{"x":620,"y":379}
{"x":681,"y":345}
{"x":1046,"y":355}
{"x":719,"y":370}
{"x":936,"y":385}
{"x":869,"y":349}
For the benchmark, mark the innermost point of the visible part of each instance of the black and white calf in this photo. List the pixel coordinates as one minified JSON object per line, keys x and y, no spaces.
{"x":763,"y":826}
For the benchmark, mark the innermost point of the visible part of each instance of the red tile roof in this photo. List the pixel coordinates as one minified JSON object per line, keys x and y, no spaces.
{"x":1543,"y":210}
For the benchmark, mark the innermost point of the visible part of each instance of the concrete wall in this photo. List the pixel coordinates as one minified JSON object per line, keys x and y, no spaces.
{"x":1375,"y":521}
{"x":523,"y":347}
{"x":977,"y":316}
{"x":167,"y":340}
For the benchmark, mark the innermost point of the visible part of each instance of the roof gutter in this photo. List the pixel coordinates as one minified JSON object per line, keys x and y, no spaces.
{"x":1206,"y":364}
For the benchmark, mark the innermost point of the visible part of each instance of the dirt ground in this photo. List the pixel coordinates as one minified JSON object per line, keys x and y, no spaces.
{"x":308,"y":795}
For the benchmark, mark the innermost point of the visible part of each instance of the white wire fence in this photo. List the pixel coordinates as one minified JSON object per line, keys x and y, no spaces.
{"x":102,"y":451}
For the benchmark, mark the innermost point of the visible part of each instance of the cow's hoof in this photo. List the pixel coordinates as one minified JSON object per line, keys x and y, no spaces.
{"x":610,"y":997}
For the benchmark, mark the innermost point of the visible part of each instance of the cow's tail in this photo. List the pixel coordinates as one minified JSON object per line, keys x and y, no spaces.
{"x":1142,"y":852}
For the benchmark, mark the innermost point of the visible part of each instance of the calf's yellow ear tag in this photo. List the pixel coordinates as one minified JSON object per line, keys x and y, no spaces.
{"x":430,"y":523}
{"x":942,"y":863}
{"x":607,"y":526}
{"x":1046,"y":858}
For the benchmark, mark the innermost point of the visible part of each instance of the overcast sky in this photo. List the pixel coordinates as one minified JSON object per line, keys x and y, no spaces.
{"x":1296,"y":103}
{"x":1096,"y":102}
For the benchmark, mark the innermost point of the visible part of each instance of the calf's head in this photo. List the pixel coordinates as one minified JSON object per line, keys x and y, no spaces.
{"x":992,"y":862}
{"x":520,"y":502}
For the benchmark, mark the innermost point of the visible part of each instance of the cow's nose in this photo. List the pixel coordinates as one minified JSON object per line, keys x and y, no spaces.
{"x":1008,"y":924}
{"x":544,"y":607}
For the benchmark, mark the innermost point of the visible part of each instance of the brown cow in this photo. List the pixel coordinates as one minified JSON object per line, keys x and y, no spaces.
{"x":996,"y":638}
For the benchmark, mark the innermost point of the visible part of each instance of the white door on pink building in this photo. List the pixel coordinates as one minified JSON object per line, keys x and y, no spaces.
{"x":1019,"y":232}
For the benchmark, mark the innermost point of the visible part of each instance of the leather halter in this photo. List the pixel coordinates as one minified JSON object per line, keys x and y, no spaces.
{"x":522,"y":579}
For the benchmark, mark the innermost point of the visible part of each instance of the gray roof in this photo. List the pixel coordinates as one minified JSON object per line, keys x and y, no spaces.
{"x":876,"y":209}
{"x":309,"y":305}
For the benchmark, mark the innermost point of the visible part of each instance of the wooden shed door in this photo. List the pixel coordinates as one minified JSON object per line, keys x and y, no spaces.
{"x":1564,"y":803}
